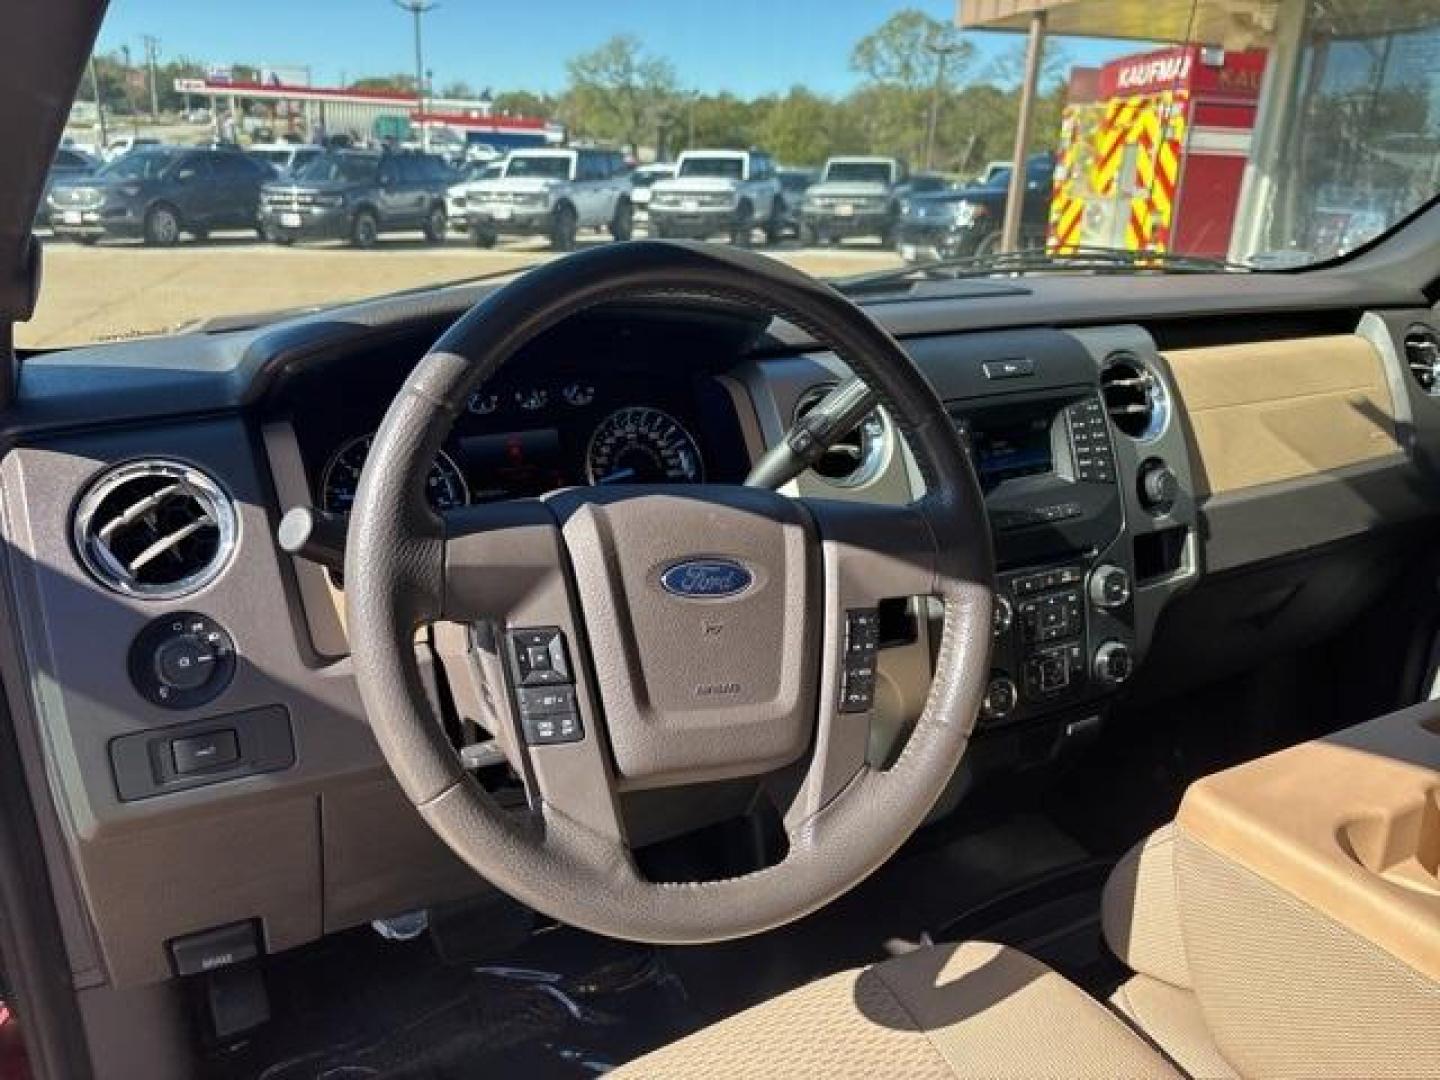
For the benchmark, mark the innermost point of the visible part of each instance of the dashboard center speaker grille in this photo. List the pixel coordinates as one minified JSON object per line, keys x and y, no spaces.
{"x":155,"y":529}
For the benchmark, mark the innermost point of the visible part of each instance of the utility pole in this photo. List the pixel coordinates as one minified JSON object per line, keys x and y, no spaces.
{"x":942,"y":54}
{"x":418,"y":9}
{"x":99,"y":105}
{"x":152,"y":50}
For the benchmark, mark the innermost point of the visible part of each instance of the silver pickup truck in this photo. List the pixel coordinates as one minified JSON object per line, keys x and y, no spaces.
{"x":859,"y":196}
{"x":553,"y":193}
{"x":729,"y":192}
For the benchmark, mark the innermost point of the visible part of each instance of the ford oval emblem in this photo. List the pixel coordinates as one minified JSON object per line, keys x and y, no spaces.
{"x":706,"y":579}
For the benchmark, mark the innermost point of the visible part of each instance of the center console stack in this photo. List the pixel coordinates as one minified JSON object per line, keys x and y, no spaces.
{"x":1068,"y":496}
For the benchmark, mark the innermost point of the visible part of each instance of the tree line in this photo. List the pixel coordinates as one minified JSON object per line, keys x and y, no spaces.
{"x":921,"y":94}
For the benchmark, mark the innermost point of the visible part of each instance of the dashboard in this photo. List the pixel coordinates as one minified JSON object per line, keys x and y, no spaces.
{"x":1169,"y":497}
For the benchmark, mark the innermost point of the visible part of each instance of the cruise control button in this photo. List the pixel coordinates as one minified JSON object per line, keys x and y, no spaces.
{"x":546,"y":700}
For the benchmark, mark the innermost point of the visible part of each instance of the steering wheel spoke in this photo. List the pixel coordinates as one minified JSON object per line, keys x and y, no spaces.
{"x":870,"y":553}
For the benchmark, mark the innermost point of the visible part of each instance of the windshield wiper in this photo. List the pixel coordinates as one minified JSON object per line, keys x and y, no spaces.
{"x":1100,"y":260}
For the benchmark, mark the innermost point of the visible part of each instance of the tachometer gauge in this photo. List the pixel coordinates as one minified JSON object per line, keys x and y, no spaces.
{"x":641,"y":445}
{"x":444,"y":486}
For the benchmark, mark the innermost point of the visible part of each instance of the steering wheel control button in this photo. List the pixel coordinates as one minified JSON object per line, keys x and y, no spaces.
{"x":862,"y":647}
{"x":1110,"y":587}
{"x":539,"y":657}
{"x":213,"y":750}
{"x":549,"y":715}
{"x":1001,"y":697}
{"x":182,"y":661}
{"x":1003,"y":616}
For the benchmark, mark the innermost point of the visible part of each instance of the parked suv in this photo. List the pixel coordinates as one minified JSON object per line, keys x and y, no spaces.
{"x":967,"y":221}
{"x":158,"y":194}
{"x":642,"y":182}
{"x":357,"y":195}
{"x":860,"y":196}
{"x":457,"y":195}
{"x":719,"y":191}
{"x":553,"y":193}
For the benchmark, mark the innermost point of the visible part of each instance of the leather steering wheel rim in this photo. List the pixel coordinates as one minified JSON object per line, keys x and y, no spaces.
{"x":404,"y":568}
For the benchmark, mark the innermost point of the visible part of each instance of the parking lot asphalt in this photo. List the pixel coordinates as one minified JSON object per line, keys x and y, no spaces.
{"x":121,"y":289}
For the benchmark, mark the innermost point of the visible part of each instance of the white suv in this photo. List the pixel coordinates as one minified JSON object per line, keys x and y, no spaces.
{"x":553,"y":193}
{"x":733,"y":192}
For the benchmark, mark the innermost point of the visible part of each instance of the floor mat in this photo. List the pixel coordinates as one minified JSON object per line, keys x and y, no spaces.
{"x":570,"y":1004}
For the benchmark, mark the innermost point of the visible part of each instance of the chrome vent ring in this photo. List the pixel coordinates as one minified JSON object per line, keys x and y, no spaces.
{"x":1422,"y":357}
{"x":1135,"y":396}
{"x":155,"y":529}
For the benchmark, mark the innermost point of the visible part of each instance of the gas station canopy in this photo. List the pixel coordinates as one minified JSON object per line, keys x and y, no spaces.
{"x":1232,"y":24}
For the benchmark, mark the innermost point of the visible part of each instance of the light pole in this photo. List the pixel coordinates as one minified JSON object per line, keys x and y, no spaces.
{"x":942,"y":54}
{"x":418,"y":9}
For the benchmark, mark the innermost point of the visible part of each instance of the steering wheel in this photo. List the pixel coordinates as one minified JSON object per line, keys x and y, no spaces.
{"x":704,"y":627}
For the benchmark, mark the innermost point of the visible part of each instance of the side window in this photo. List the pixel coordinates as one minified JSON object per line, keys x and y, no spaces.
{"x":192,"y":169}
{"x":69,"y":159}
{"x":590,"y":168}
{"x":617,"y":165}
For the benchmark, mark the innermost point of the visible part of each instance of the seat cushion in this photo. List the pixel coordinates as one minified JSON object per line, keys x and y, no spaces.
{"x":972,"y":1010}
{"x":1170,"y":1017}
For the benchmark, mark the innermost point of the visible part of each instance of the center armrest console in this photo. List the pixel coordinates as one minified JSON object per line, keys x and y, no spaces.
{"x":1311,"y":902}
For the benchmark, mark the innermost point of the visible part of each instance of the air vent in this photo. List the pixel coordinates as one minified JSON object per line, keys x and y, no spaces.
{"x":155,"y":529}
{"x":857,"y":456}
{"x":1422,"y":356}
{"x":1134,"y":396}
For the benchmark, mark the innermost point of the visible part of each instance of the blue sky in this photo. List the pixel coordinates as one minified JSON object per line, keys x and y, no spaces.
{"x":746,"y":46}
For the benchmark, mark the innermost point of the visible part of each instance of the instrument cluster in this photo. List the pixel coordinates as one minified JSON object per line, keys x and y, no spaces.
{"x":525,"y":437}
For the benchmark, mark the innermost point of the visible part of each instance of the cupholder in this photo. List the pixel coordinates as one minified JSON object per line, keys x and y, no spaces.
{"x":1403,"y":848}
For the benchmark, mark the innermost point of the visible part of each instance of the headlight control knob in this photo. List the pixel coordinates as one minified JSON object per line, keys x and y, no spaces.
{"x":182,"y":661}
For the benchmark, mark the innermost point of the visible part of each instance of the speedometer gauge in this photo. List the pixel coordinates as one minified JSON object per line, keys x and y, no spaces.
{"x":641,"y":445}
{"x":444,"y":486}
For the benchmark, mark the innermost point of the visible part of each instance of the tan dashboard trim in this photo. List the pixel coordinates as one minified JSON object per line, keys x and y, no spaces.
{"x":1349,"y":825}
{"x":1271,"y":411}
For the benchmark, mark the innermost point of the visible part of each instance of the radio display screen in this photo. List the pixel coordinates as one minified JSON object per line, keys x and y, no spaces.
{"x":1012,"y":449}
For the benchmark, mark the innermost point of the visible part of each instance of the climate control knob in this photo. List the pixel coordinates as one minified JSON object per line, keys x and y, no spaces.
{"x":1109,"y":587}
{"x":1113,"y":663}
{"x":1001,"y":697}
{"x":1158,"y":486}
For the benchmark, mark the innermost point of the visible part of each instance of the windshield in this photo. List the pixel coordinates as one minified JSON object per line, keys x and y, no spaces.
{"x":339,"y":169}
{"x":1262,"y":135}
{"x":139,"y":165}
{"x":724,"y":168}
{"x":548,"y":168}
{"x":857,"y":172}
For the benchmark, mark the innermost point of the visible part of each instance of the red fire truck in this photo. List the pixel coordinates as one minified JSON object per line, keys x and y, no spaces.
{"x":1153,"y":149}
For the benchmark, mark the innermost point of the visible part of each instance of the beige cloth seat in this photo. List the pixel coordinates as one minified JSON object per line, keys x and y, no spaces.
{"x":969,"y":1010}
{"x":982,"y":1011}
